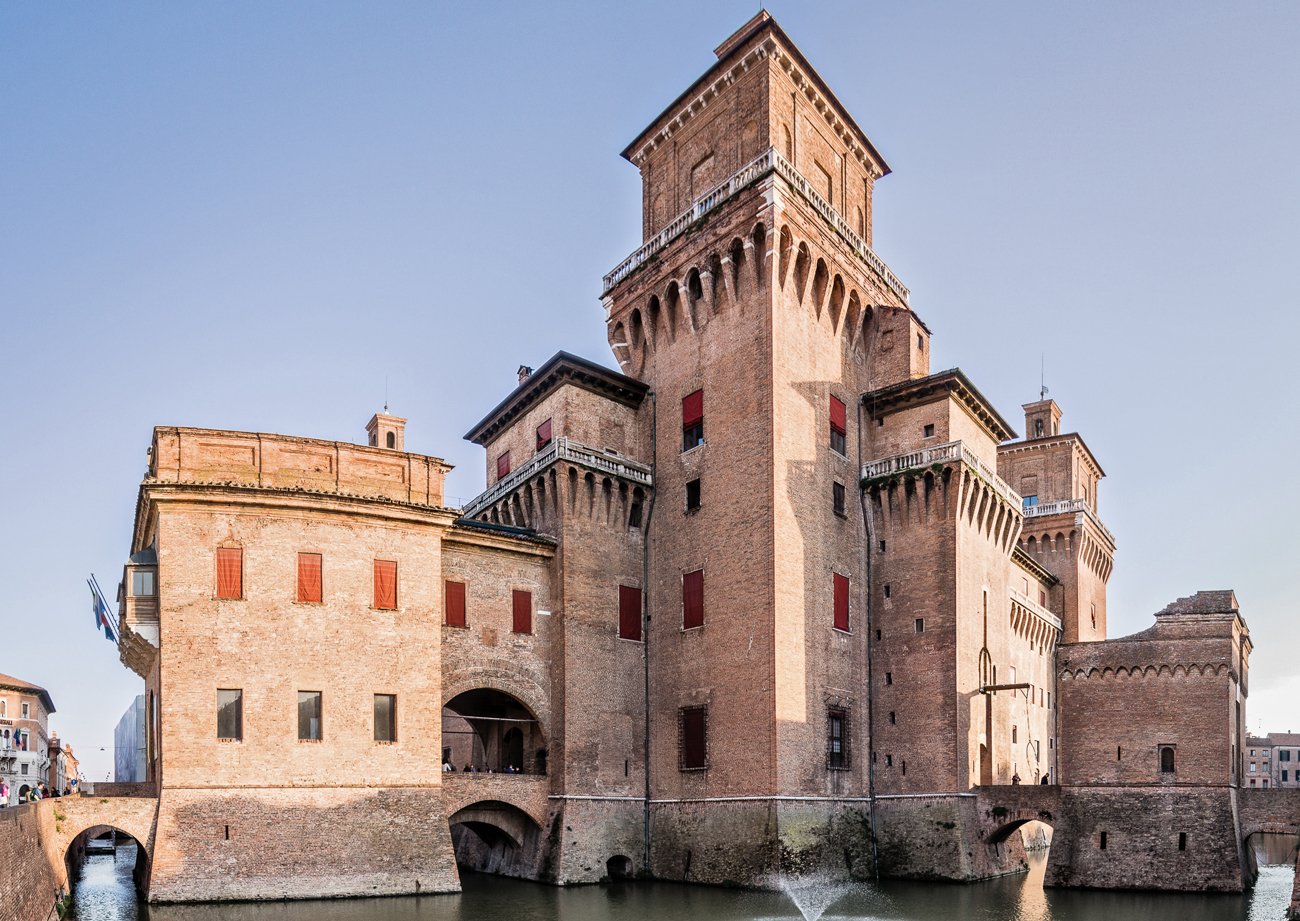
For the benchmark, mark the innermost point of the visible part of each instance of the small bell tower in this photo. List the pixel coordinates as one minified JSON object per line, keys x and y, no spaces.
{"x":386,"y":431}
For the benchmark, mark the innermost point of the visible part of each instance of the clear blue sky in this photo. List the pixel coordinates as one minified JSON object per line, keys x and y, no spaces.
{"x":252,"y":215}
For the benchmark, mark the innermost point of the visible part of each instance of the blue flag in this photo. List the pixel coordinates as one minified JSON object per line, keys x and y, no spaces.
{"x":103,"y":619}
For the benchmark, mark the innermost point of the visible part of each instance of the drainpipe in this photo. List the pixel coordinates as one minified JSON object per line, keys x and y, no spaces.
{"x":868,"y":522}
{"x":645,"y":632}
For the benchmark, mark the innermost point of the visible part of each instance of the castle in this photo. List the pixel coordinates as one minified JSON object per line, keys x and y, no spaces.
{"x":773,"y":597}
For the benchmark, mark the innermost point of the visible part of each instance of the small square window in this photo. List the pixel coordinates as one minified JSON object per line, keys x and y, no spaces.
{"x":385,"y":717}
{"x":920,"y":625}
{"x":309,"y":716}
{"x":889,"y":677}
{"x":692,"y":495}
{"x":230,"y":714}
{"x":837,"y":499}
{"x":929,"y":430}
{"x":142,"y":583}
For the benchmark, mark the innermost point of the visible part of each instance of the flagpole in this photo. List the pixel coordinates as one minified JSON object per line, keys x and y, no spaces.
{"x":112,"y":617}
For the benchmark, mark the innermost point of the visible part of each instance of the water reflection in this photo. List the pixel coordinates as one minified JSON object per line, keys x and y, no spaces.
{"x":104,"y":893}
{"x":104,"y":890}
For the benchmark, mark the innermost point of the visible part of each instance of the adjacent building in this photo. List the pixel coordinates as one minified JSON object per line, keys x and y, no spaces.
{"x":25,"y":710}
{"x":1274,"y":760}
{"x":129,"y":744}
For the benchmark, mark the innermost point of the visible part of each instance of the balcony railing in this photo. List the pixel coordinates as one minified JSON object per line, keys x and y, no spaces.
{"x":1066,"y":506}
{"x":561,"y":449}
{"x":1033,"y":607}
{"x":767,"y":162}
{"x":940,"y":454}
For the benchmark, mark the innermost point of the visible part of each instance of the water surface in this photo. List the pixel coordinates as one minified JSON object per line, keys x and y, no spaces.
{"x":104,"y":893}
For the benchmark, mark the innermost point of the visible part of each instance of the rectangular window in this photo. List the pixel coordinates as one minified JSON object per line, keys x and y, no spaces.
{"x":1182,"y":841}
{"x":837,"y":740}
{"x":929,"y":431}
{"x":1029,"y":501}
{"x":889,"y":590}
{"x":521,"y":611}
{"x":889,"y":677}
{"x":230,"y":714}
{"x":544,"y":435}
{"x":309,"y":577}
{"x":142,"y":584}
{"x":893,"y":718}
{"x":27,"y":711}
{"x":503,"y":465}
{"x":386,"y":585}
{"x":230,"y":573}
{"x":1103,"y":841}
{"x":693,"y":599}
{"x":453,"y":599}
{"x":693,"y":726}
{"x":920,"y":625}
{"x":385,"y":717}
{"x":1284,"y":777}
{"x":1284,"y":755}
{"x":692,"y":495}
{"x":837,"y":499}
{"x":309,"y":716}
{"x":693,"y":420}
{"x":840,"y":585}
{"x":629,"y":613}
{"x":838,"y":426}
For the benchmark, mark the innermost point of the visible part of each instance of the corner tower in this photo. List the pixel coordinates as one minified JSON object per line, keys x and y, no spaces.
{"x":756,"y":312}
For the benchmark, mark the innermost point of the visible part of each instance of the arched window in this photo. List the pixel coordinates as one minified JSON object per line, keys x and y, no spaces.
{"x":392,"y":440}
{"x":1166,"y":759}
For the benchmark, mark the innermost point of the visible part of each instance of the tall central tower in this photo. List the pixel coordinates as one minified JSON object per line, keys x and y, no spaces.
{"x":758,"y":314}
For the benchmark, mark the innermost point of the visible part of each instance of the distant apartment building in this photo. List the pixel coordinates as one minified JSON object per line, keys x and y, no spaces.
{"x":1285,"y":750}
{"x":128,"y":744}
{"x":1259,"y":761}
{"x":25,"y":710}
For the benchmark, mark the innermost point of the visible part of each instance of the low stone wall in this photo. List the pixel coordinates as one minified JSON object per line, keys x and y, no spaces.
{"x":945,"y":837}
{"x":30,"y":886}
{"x":300,"y":843}
{"x":1143,"y":847}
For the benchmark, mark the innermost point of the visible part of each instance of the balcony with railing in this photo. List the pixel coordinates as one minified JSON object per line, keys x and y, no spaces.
{"x":1066,"y":507}
{"x":1035,"y":609}
{"x":768,"y":162}
{"x":561,"y":449}
{"x":941,"y":454}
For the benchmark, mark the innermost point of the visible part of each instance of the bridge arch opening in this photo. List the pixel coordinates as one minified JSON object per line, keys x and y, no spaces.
{"x":101,"y":855}
{"x":486,"y":730}
{"x":491,"y":836}
{"x":619,"y":867}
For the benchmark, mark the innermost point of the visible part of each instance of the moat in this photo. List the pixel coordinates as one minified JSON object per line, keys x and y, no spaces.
{"x":104,"y":893}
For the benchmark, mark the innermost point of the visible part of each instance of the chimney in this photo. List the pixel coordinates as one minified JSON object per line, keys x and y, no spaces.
{"x":525,"y":372}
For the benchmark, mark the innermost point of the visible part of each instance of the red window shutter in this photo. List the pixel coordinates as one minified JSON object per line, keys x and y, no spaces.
{"x":543,"y":434}
{"x":693,"y":599}
{"x":503,"y":465}
{"x":309,"y":577}
{"x":841,"y":601}
{"x":694,"y":746}
{"x":629,"y":613}
{"x":454,"y":599}
{"x":230,"y":572}
{"x":837,"y":415}
{"x":523,"y":612}
{"x":386,"y":585}
{"x":693,"y":409}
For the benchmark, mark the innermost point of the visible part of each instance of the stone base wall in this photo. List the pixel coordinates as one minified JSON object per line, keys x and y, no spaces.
{"x":584,"y":835}
{"x":1142,"y":829}
{"x":228,"y":845}
{"x":754,"y":843}
{"x":939,"y":837}
{"x":32,"y":881}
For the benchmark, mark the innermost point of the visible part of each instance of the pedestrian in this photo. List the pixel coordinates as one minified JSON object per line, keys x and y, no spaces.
{"x":1015,"y":779}
{"x":4,"y":793}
